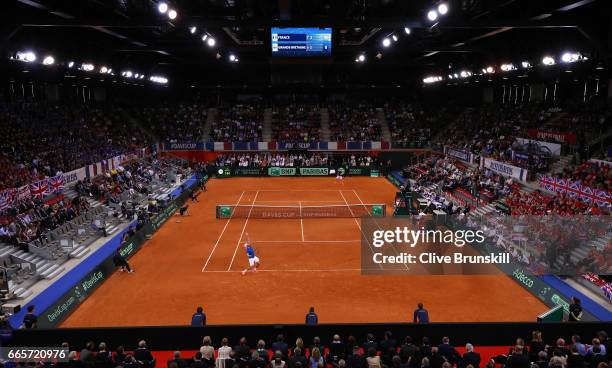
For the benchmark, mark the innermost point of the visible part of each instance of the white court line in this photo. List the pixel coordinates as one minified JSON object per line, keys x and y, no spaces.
{"x":298,"y":190}
{"x":276,"y":201}
{"x":242,"y":233}
{"x":307,"y":241}
{"x":220,"y":236}
{"x":359,"y":225}
{"x":302,"y":270}
{"x":301,"y":221}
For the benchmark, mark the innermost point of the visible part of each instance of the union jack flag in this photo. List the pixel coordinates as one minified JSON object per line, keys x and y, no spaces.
{"x":560,"y":186}
{"x":40,"y":189}
{"x":574,"y":189}
{"x":586,"y":195}
{"x":23,"y":193}
{"x":4,"y":200}
{"x":56,"y":184}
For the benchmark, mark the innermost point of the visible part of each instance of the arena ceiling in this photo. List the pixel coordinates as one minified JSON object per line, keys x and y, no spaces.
{"x":133,"y":34}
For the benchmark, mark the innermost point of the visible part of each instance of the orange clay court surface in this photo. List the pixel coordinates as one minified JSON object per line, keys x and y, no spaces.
{"x":196,"y":260}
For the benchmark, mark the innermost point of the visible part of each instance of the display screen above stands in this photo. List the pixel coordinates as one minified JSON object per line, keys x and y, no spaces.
{"x":301,"y":42}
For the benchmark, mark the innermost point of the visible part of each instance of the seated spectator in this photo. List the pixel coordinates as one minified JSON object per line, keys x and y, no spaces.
{"x":177,"y":361}
{"x":469,"y":357}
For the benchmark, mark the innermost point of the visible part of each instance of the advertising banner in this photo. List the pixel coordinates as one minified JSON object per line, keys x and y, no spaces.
{"x":282,"y":171}
{"x":561,"y":137}
{"x":314,"y":171}
{"x":505,"y":169}
{"x":457,"y":153}
{"x":247,"y":171}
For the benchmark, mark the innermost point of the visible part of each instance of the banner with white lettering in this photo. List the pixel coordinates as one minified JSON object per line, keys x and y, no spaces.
{"x":505,"y":169}
{"x":460,"y":154}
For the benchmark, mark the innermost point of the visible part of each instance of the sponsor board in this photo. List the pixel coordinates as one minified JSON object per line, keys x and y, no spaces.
{"x":247,"y":171}
{"x":282,"y":171}
{"x":314,"y":171}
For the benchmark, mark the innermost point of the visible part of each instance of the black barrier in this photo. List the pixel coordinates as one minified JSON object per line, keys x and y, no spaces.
{"x":190,"y":338}
{"x":68,"y":302}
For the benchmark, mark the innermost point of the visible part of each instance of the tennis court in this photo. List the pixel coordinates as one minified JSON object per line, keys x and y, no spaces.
{"x":196,"y":260}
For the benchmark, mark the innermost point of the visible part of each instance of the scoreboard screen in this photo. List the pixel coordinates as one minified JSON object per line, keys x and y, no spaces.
{"x":301,"y":42}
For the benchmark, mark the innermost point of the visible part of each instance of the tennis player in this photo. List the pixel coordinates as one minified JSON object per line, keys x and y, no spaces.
{"x":253,"y":259}
{"x":339,"y":178}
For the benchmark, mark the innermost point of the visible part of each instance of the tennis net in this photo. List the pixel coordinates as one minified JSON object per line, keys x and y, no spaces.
{"x":226,"y":211}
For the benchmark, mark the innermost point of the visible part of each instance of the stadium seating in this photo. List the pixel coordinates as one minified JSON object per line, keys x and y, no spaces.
{"x":239,"y":123}
{"x":296,"y":123}
{"x":354,"y":122}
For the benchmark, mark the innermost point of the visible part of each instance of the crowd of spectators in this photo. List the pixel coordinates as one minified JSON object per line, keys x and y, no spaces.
{"x":591,"y":174}
{"x":33,"y":219}
{"x":348,"y":352}
{"x":296,"y":123}
{"x":309,"y":159}
{"x":449,"y":175}
{"x":354,"y":122}
{"x":46,"y":139}
{"x":491,"y":131}
{"x":174,"y":123}
{"x":238,"y":123}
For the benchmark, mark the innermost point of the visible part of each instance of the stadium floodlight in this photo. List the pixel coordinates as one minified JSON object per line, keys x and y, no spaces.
{"x":548,"y":60}
{"x":386,"y":42}
{"x":432,"y":15}
{"x":204,"y":37}
{"x":127,"y":74}
{"x":211,"y":42}
{"x":158,"y":79}
{"x":507,"y":67}
{"x":27,"y":56}
{"x":162,"y":8}
{"x":193,"y":29}
{"x":48,"y":60}
{"x":71,"y":64}
{"x":570,"y":57}
{"x":450,"y":76}
{"x":142,"y":76}
{"x":407,"y":30}
{"x":172,"y":14}
{"x":136,"y":75}
{"x":525,"y":64}
{"x":443,"y":9}
{"x":395,"y":39}
{"x":103,"y":70}
{"x":361,"y":58}
{"x":87,"y":67}
{"x":490,"y":69}
{"x":232,"y":58}
{"x":464,"y":74}
{"x":432,"y":79}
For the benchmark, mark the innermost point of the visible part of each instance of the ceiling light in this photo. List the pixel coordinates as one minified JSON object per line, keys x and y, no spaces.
{"x":395,"y":38}
{"x":48,"y":60}
{"x":71,"y":64}
{"x":548,"y":60}
{"x":386,"y":42}
{"x":432,"y":15}
{"x":361,"y":58}
{"x":204,"y":37}
{"x":525,"y":64}
{"x":172,"y":14}
{"x":87,"y":67}
{"x":103,"y":70}
{"x":443,"y":8}
{"x":211,"y":42}
{"x":193,"y":29}
{"x":407,"y":30}
{"x":162,"y":8}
